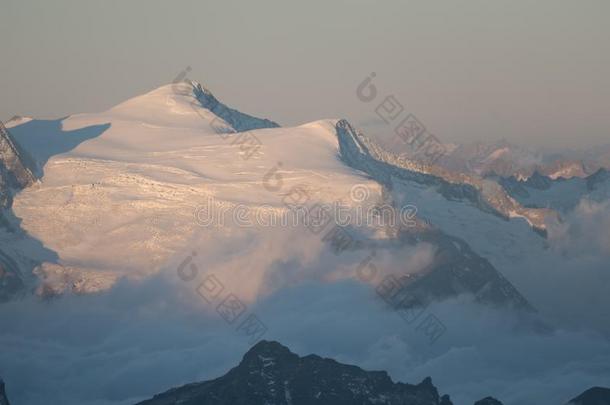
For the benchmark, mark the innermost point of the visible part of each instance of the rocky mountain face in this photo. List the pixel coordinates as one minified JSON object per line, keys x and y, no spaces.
{"x":3,"y":398}
{"x":456,"y":269}
{"x":270,"y":373}
{"x":238,"y":120}
{"x":17,"y":171}
{"x":592,"y":396}
{"x":363,"y":154}
{"x":597,"y":178}
{"x":488,"y":401}
{"x":560,"y":194}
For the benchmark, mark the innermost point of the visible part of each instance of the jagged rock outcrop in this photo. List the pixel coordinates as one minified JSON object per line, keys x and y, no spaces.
{"x":238,"y":120}
{"x":488,"y":401}
{"x":445,"y":400}
{"x":456,"y":269}
{"x":592,"y":396}
{"x":559,"y":194}
{"x":361,"y":153}
{"x":270,"y":373}
{"x":517,"y":187}
{"x":3,"y":397}
{"x":600,"y":176}
{"x":17,"y":171}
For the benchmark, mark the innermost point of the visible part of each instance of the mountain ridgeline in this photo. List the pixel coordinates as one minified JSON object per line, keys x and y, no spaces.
{"x":270,"y":374}
{"x":238,"y":120}
{"x":17,"y":171}
{"x":3,"y":397}
{"x":361,"y":153}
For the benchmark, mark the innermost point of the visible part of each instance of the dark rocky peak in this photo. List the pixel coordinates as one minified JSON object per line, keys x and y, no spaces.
{"x":445,"y":400}
{"x":488,"y":401}
{"x":3,"y":398}
{"x":271,"y":374}
{"x":592,"y":396}
{"x":15,"y":161}
{"x":238,"y":120}
{"x":539,"y":181}
{"x":269,"y":348}
{"x":600,"y":176}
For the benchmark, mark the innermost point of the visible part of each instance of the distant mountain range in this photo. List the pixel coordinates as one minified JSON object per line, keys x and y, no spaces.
{"x":505,"y":159}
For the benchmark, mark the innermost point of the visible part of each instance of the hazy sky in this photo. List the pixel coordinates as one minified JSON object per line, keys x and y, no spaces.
{"x":530,"y":71}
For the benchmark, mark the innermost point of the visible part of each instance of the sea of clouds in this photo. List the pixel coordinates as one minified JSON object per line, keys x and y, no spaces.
{"x":145,"y":336}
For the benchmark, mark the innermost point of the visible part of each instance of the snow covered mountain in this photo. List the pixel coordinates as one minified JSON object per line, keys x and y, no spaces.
{"x":174,"y":183}
{"x":121,"y":188}
{"x":122,"y":192}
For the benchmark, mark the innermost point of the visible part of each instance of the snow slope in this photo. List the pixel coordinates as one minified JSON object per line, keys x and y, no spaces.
{"x":124,"y":192}
{"x":121,"y":203}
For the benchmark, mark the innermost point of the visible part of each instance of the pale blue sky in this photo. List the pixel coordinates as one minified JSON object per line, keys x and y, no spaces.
{"x":531,"y":71}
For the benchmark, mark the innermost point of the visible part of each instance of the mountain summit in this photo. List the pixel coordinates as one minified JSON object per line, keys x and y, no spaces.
{"x":3,"y":398}
{"x":271,"y":374}
{"x":592,"y":396}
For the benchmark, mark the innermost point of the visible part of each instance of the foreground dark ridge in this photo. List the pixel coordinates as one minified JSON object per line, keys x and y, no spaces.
{"x":592,"y":396}
{"x":270,"y":374}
